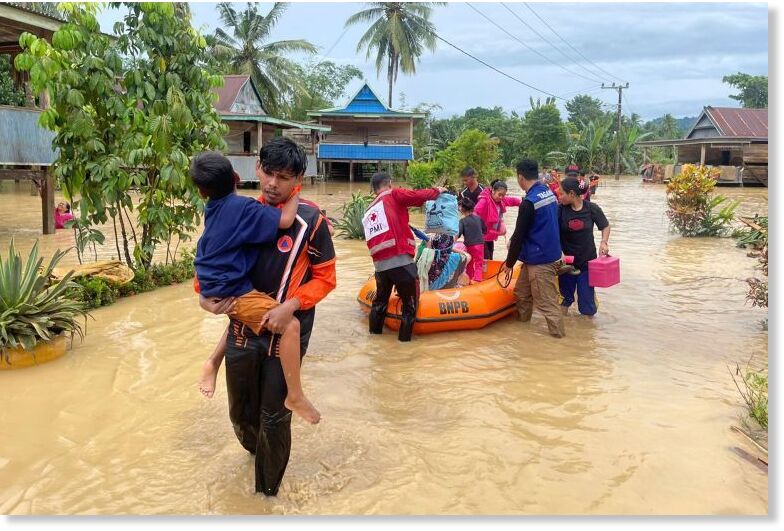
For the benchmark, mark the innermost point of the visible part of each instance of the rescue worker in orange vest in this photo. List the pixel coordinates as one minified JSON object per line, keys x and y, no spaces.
{"x":391,"y":246}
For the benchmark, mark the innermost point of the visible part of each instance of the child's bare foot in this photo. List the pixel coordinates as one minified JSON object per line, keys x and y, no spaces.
{"x":209,"y":374}
{"x":302,"y":407}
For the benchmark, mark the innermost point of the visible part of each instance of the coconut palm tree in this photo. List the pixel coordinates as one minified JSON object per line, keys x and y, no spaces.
{"x":248,"y":50}
{"x":399,"y":33}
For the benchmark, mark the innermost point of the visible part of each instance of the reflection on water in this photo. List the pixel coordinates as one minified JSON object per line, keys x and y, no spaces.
{"x":629,"y":414}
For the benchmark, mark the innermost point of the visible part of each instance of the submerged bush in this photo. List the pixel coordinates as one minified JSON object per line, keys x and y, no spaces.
{"x":33,"y":307}
{"x":95,"y":292}
{"x":691,"y":207}
{"x":350,"y":223}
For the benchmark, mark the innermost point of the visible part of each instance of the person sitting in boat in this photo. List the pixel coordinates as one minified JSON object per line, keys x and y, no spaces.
{"x":473,"y":230}
{"x":491,"y":207}
{"x":440,"y":265}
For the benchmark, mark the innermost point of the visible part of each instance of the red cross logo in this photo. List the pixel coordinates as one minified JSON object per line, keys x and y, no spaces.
{"x":373,"y":217}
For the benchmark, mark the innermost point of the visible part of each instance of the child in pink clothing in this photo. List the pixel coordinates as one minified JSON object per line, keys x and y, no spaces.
{"x":491,"y":207}
{"x":473,"y":230}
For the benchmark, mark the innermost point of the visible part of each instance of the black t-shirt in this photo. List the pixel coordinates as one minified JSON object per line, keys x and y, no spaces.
{"x":473,"y":196}
{"x":284,"y":265}
{"x":472,"y":229}
{"x":577,"y":231}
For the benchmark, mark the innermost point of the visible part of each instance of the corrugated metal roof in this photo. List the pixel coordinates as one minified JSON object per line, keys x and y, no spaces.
{"x":362,"y":152}
{"x":229,"y":91}
{"x":733,"y":121}
{"x":365,"y":102}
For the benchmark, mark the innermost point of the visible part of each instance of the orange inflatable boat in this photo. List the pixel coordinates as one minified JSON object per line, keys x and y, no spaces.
{"x":467,"y":308}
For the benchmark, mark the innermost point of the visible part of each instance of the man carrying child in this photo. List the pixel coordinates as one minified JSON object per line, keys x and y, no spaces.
{"x":296,"y":268}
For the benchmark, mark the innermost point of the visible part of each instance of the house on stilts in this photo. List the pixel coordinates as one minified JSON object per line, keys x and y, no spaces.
{"x":365,"y":136}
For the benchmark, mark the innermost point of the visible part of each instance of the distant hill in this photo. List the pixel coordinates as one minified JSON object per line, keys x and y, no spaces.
{"x":684,"y":124}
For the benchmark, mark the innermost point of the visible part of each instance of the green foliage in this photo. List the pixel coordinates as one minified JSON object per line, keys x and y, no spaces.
{"x":691,"y":207}
{"x":350,"y":223}
{"x":95,"y":292}
{"x":472,"y":148}
{"x":422,"y":174}
{"x":399,"y":34}
{"x":584,"y":109}
{"x":751,"y":236}
{"x":753,"y":388}
{"x":248,"y":50}
{"x":544,"y":132}
{"x":323,"y":85}
{"x":139,"y":135}
{"x":32,"y":307}
{"x":753,"y":89}
{"x":9,"y":94}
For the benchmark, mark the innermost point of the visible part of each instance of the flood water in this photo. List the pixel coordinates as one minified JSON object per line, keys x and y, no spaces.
{"x":629,"y":414}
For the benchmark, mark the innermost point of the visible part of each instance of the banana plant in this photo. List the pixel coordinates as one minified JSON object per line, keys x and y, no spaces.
{"x":33,"y":308}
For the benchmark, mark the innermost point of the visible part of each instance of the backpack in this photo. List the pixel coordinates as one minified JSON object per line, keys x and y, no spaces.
{"x":441,"y":215}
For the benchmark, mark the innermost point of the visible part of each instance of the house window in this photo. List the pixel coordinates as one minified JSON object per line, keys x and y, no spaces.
{"x":246,"y":142}
{"x":725,"y":158}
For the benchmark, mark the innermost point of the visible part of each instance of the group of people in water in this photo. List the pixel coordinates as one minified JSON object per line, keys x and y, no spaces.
{"x":554,"y":226}
{"x":266,"y":263}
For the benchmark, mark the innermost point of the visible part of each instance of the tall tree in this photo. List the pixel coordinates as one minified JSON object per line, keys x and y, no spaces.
{"x":753,"y":89}
{"x":324,"y":83}
{"x":544,"y":132}
{"x":248,"y":50}
{"x":583,"y":109}
{"x":399,"y":34}
{"x":125,"y":131}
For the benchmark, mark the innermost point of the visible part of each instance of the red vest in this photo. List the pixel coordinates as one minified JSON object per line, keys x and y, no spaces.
{"x":386,"y":222}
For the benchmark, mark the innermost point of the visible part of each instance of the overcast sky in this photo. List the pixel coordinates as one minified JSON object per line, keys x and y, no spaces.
{"x":673,"y":55}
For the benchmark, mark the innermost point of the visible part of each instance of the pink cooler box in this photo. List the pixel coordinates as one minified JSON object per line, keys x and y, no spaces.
{"x":604,"y":271}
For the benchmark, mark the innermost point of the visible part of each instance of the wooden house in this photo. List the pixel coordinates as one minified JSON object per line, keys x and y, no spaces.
{"x":25,"y":147}
{"x":364,"y":135}
{"x":734,"y":140}
{"x":241,"y":108}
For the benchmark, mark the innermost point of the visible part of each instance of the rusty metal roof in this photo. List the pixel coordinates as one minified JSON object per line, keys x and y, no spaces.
{"x":227,"y":94}
{"x":736,"y":122}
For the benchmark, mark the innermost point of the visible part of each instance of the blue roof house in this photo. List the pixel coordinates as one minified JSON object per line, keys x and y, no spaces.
{"x":364,"y":134}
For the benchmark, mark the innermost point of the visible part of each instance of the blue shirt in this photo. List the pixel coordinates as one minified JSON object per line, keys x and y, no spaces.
{"x":234,"y":227}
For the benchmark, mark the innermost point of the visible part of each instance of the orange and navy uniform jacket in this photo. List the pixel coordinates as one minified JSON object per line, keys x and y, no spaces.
{"x":299,"y":264}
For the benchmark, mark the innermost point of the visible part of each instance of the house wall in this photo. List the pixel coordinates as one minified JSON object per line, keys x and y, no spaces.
{"x":234,"y":138}
{"x":375,"y":132}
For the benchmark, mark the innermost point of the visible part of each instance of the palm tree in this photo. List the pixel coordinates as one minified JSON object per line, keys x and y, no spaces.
{"x":399,"y":34}
{"x":249,"y":51}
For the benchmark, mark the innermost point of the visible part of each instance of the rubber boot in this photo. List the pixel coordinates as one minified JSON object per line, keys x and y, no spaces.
{"x":378,"y":313}
{"x":407,"y":319}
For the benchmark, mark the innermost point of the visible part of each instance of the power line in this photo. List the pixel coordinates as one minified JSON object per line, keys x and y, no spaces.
{"x":571,"y":60}
{"x":439,"y":37}
{"x":531,"y":49}
{"x":567,"y":43}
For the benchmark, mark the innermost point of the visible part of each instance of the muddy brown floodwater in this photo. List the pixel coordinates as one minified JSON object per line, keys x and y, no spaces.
{"x":630,"y":414}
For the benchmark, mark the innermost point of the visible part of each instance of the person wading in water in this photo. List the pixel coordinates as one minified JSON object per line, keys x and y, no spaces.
{"x":391,"y":245}
{"x":298,"y":270}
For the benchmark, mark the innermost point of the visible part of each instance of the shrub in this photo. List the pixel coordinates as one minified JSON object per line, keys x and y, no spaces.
{"x":350,"y":223}
{"x":33,"y":308}
{"x":692,"y":209}
{"x":422,"y":175}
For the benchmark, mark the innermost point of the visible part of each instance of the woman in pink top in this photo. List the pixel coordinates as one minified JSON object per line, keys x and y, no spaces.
{"x":62,"y":215}
{"x":491,"y":207}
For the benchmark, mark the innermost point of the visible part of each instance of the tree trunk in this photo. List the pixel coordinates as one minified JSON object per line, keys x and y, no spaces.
{"x":391,"y":75}
{"x":128,"y":259}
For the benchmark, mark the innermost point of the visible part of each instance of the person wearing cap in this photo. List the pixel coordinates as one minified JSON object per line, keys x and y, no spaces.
{"x":536,"y":242}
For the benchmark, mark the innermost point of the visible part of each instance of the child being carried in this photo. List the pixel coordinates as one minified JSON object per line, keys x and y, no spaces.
{"x":234,"y":227}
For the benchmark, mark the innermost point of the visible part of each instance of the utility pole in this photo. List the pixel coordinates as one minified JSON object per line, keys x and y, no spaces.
{"x":619,"y":88}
